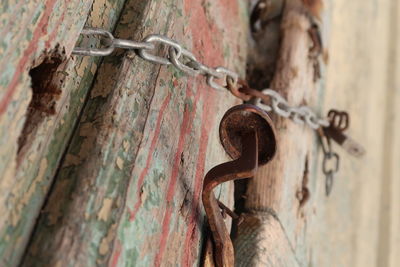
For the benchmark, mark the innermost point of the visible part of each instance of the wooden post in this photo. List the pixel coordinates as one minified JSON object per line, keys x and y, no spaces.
{"x":127,"y":192}
{"x":36,"y":124}
{"x":274,"y":225}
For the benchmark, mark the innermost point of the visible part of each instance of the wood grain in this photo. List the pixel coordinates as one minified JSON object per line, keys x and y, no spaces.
{"x":277,"y":185}
{"x":127,"y":193}
{"x":251,"y":248}
{"x":357,"y":225}
{"x":30,"y":31}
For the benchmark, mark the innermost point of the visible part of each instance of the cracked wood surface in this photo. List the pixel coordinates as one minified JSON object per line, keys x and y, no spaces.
{"x":127,"y":192}
{"x":30,"y":31}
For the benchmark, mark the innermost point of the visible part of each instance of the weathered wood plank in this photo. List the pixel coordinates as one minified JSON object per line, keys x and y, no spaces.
{"x":358,"y":224}
{"x":128,"y":190}
{"x":33,"y":138}
{"x":277,"y":185}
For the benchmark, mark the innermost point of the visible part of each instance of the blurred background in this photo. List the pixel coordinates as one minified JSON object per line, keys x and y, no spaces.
{"x":362,"y":216}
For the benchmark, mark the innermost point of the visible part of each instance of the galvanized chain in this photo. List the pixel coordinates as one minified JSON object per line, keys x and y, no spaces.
{"x":301,"y":114}
{"x":185,"y":61}
{"x":178,"y":56}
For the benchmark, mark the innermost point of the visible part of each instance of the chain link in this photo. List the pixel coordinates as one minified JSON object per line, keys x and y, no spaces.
{"x":270,"y":100}
{"x":331,"y":161}
{"x":101,"y":52}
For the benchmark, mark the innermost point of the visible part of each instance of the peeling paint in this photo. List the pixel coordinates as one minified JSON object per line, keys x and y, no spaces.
{"x":120,"y":163}
{"x":23,"y":187}
{"x":126,"y":145}
{"x":124,"y":150}
{"x":105,"y":210}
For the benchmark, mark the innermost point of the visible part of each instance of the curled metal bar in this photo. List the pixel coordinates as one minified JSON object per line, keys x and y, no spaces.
{"x":248,"y":136}
{"x":243,"y":167}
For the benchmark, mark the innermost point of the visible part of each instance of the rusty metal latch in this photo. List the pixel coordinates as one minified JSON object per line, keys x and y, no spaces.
{"x":248,"y":136}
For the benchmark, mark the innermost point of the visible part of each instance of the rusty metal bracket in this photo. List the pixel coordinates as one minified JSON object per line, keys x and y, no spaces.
{"x":247,"y":134}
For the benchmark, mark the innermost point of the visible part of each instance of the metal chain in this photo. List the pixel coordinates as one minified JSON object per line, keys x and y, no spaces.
{"x":330,"y":163}
{"x":178,"y":56}
{"x":185,"y":61}
{"x":279,"y":105}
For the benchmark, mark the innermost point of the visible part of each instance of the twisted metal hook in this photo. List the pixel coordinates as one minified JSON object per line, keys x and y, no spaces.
{"x":248,"y":136}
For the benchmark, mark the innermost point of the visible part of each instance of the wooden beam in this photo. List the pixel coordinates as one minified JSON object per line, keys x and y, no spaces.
{"x":277,"y":185}
{"x":36,"y":122}
{"x":128,"y":190}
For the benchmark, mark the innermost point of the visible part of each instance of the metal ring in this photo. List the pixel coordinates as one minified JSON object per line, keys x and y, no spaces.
{"x":328,"y":156}
{"x":282,"y":108}
{"x":328,"y":183}
{"x":227,"y":73}
{"x":179,"y":65}
{"x":95,"y":51}
{"x":203,"y":69}
{"x":309,"y":117}
{"x":278,"y":100}
{"x":312,"y":121}
{"x":273,"y":94}
{"x":297,"y":116}
{"x":128,"y":44}
{"x":156,"y":38}
{"x":259,"y":103}
{"x":238,"y":90}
